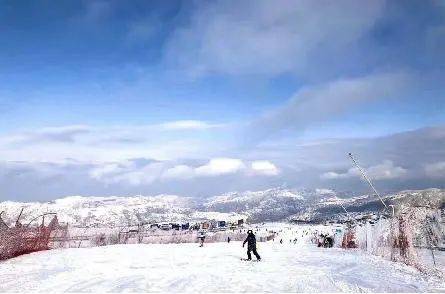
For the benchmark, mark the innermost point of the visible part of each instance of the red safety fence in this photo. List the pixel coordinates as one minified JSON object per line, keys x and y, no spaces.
{"x":349,"y":239}
{"x":24,"y":239}
{"x":413,"y":236}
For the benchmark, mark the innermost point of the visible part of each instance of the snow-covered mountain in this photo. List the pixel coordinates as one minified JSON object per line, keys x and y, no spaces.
{"x":330,"y":208}
{"x":269,"y":205}
{"x":109,"y":211}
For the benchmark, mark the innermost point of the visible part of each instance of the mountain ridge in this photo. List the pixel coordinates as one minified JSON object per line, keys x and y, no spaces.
{"x":275,"y":204}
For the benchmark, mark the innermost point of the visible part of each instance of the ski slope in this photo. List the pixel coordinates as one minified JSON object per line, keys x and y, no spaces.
{"x":214,"y":268}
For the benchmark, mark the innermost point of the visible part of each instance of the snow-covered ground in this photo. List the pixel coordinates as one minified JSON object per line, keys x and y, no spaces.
{"x":214,"y":268}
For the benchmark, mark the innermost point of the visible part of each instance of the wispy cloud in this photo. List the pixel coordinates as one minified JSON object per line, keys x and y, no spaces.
{"x":188,"y":125}
{"x":273,"y":38}
{"x":128,"y":172}
{"x":383,"y":171}
{"x":143,"y":30}
{"x":322,"y":103}
{"x":64,"y":134}
{"x":168,"y":140}
{"x":96,"y":10}
{"x":297,"y":165}
{"x":435,"y":170}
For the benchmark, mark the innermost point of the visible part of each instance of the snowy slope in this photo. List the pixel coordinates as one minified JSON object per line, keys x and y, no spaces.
{"x":214,"y":268}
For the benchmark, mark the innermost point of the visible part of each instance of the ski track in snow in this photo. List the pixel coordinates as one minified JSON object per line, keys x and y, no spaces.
{"x":214,"y":268}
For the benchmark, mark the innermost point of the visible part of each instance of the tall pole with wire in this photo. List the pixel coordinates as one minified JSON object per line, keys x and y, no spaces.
{"x":367,"y":179}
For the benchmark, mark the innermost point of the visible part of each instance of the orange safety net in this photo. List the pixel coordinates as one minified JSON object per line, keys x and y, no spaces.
{"x":21,"y":239}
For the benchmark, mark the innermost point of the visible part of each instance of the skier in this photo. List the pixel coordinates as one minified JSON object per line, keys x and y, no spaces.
{"x":251,"y":245}
{"x":201,"y":239}
{"x":320,"y":240}
{"x":228,"y":239}
{"x":329,"y":241}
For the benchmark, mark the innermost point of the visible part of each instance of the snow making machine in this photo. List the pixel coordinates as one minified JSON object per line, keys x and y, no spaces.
{"x":23,"y":239}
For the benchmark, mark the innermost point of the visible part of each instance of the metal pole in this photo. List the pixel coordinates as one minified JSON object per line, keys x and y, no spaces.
{"x":341,"y":204}
{"x":393,"y":211}
{"x":367,"y":179}
{"x":429,"y":233}
{"x":434,"y":258}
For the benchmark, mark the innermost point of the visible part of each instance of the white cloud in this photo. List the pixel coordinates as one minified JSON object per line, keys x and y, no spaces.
{"x":220,"y":166}
{"x":103,"y":171}
{"x":383,"y":171}
{"x":129,"y":172}
{"x":386,"y":171}
{"x":264,"y":167}
{"x":179,"y":172}
{"x":435,"y":170}
{"x":334,"y":175}
{"x":187,"y":125}
{"x":144,"y":176}
{"x":33,"y":180}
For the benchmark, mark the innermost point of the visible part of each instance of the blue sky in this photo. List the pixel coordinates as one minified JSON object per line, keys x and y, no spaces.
{"x":212,"y":92}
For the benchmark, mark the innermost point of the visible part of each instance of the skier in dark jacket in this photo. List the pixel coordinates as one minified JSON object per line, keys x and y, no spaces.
{"x":251,"y":245}
{"x":201,"y":238}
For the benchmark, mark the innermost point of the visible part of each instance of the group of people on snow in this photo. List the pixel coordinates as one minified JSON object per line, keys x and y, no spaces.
{"x":322,"y":240}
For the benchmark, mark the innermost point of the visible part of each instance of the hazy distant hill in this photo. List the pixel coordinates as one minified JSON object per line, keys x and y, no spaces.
{"x":331,"y":209}
{"x":269,"y":205}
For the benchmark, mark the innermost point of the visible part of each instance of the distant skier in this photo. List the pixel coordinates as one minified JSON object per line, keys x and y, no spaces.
{"x":329,"y":241}
{"x":201,"y":239}
{"x":251,"y":245}
{"x":325,"y":241}
{"x":320,"y":240}
{"x":228,"y":239}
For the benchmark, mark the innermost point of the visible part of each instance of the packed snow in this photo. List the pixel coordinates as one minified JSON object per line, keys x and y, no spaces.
{"x":216,"y":267}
